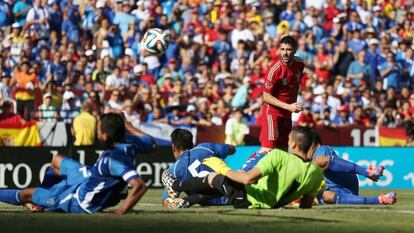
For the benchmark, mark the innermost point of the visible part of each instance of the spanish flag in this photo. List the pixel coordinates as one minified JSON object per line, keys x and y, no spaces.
{"x":392,"y":136}
{"x":15,"y":132}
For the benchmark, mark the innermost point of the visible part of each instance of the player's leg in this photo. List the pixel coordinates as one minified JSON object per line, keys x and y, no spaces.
{"x":339,"y":165}
{"x":176,"y":203}
{"x":283,"y":128}
{"x":268,"y":135}
{"x":232,"y":190}
{"x":16,"y":196}
{"x":344,"y":196}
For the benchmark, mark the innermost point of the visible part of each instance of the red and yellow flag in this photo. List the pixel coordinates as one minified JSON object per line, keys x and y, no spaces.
{"x":14,"y":132}
{"x":392,"y":136}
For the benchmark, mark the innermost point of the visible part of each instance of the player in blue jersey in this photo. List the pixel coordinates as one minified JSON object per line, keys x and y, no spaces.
{"x":88,"y":190}
{"x":189,"y":165}
{"x":341,"y":178}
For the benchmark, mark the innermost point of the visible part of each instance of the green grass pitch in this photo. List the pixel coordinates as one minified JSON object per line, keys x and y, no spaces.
{"x":148,"y":216}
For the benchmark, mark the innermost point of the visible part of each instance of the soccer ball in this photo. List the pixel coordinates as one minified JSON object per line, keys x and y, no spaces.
{"x":155,"y":41}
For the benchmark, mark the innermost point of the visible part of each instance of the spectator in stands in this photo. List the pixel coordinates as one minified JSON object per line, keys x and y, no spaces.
{"x":306,"y":117}
{"x":115,"y":101}
{"x":20,"y":10}
{"x":342,"y":59}
{"x":323,"y":63}
{"x":343,"y":118}
{"x":240,"y":98}
{"x":84,"y":125}
{"x":390,"y":72}
{"x":26,"y":85}
{"x":236,"y":129}
{"x":130,"y":114}
{"x":358,"y":70}
{"x":7,"y":113}
{"x":46,"y":111}
{"x":69,"y":109}
{"x":37,"y":20}
{"x":156,"y":116}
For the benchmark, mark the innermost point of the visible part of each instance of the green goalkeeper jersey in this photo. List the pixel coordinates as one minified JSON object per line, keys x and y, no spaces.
{"x":285,"y":177}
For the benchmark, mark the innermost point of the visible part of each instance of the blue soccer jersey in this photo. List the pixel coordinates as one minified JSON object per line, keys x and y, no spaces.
{"x":95,"y":188}
{"x":109,"y":176}
{"x":337,"y":181}
{"x":190,"y":164}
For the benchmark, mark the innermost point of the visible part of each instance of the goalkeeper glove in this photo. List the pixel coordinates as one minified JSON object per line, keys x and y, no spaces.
{"x":217,"y":165}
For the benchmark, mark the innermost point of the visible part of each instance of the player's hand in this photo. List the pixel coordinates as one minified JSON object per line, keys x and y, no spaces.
{"x":295,"y":107}
{"x":217,"y":165}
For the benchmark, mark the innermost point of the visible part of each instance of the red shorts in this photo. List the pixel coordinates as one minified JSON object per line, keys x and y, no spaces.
{"x":275,"y":131}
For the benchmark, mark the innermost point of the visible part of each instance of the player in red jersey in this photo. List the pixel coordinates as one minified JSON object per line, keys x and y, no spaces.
{"x":280,"y":93}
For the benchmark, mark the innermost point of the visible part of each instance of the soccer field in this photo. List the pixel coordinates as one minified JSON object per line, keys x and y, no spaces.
{"x":149,"y":216}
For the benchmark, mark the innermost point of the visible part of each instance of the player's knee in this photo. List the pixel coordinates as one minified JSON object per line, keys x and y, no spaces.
{"x":210,"y":178}
{"x":26,"y":195}
{"x":328,"y":197}
{"x":55,"y":164}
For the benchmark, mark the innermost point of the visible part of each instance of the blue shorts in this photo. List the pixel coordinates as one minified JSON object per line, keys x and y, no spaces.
{"x":339,"y":190}
{"x":60,"y":197}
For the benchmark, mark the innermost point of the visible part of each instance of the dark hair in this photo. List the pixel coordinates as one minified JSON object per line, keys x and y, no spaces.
{"x":113,"y":125}
{"x":182,"y":139}
{"x":290,"y":41}
{"x":304,"y":137}
{"x":316,"y":138}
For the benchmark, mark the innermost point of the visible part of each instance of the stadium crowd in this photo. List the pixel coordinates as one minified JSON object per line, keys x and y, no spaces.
{"x":57,"y":55}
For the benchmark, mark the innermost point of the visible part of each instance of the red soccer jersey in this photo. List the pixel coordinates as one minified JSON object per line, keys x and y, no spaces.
{"x":282,"y":82}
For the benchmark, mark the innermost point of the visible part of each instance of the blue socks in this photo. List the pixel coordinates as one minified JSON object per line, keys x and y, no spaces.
{"x":356,"y":200}
{"x":10,"y":196}
{"x":342,"y":166}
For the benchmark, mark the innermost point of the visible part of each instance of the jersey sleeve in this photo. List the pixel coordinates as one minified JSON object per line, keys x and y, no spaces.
{"x":119,"y":166}
{"x":271,"y":162}
{"x":219,"y":150}
{"x":325,"y":151}
{"x":143,"y":144}
{"x":272,"y":76}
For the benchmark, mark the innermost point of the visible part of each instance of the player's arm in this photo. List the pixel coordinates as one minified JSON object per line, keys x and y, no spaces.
{"x":306,"y":202}
{"x":268,"y":98}
{"x":322,"y":162}
{"x":243,"y":177}
{"x":135,"y":193}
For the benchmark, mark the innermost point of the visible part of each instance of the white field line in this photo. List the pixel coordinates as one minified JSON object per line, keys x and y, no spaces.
{"x":339,"y":209}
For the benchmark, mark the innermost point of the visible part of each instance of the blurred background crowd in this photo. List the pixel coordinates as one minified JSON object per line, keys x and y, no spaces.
{"x":60,"y":58}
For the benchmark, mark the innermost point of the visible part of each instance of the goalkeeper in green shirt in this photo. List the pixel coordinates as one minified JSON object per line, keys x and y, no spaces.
{"x":278,"y":179}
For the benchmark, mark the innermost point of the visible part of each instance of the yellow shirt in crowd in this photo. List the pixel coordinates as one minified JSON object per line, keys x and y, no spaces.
{"x":84,"y":126}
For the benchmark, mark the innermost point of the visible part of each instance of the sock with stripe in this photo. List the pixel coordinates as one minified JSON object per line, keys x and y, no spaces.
{"x":355,"y":200}
{"x":10,"y":196}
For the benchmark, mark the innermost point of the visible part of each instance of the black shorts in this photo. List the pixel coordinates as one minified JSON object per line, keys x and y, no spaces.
{"x":232,"y":190}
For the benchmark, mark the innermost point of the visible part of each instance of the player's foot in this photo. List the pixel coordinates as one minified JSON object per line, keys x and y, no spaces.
{"x":33,"y":207}
{"x":375,"y":173}
{"x":176,"y":203}
{"x":388,"y":199}
{"x":168,"y":181}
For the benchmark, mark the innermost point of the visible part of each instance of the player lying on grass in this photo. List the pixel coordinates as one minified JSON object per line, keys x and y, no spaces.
{"x":189,"y":164}
{"x":87,"y":190}
{"x":276,"y":180}
{"x":341,"y":178}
